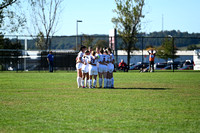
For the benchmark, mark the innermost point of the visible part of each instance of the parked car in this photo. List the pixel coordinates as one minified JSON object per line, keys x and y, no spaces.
{"x":186,"y":67}
{"x":138,"y":66}
{"x":169,"y":67}
{"x":188,"y":62}
{"x":159,"y":66}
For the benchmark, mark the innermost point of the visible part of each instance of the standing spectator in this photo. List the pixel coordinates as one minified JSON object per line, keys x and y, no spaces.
{"x":122,"y":65}
{"x":151,"y":60}
{"x":50,"y":61}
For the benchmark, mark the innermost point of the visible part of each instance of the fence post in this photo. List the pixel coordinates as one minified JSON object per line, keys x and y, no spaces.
{"x":142,"y":53}
{"x":173,"y":52}
{"x":17,"y":56}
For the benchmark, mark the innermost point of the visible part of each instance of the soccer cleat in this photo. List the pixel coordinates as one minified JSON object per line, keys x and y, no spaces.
{"x":84,"y":87}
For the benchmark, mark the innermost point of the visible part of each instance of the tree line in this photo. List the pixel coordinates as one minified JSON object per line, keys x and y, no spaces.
{"x":69,"y":42}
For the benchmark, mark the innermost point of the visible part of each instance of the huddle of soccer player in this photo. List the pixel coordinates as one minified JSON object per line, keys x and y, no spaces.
{"x":91,"y":63}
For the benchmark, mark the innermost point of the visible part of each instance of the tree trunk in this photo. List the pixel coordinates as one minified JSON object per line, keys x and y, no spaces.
{"x":47,"y":43}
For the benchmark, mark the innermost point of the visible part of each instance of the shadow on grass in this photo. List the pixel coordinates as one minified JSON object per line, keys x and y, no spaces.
{"x":139,"y":88}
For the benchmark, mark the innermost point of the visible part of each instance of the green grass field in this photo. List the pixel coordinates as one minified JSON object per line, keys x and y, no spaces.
{"x":141,"y":102}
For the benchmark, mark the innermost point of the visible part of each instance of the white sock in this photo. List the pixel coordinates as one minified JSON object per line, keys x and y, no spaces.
{"x":94,"y":82}
{"x":86,"y":82}
{"x":105,"y":82}
{"x":100,"y":82}
{"x":82,"y":82}
{"x":109,"y":82}
{"x":79,"y":81}
{"x":112,"y":82}
{"x":90,"y":83}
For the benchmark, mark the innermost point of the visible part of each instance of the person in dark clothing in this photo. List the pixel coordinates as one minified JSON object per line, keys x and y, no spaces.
{"x":152,"y":56}
{"x":122,"y":65}
{"x":50,"y":61}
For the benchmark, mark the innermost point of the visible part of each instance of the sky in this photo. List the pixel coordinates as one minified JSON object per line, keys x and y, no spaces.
{"x":183,"y":15}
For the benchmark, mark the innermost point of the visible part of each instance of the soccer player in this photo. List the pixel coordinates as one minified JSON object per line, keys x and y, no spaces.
{"x":111,"y":67}
{"x":85,"y":69}
{"x":109,"y":70}
{"x":93,"y":69}
{"x":98,"y":62}
{"x":79,"y":63}
{"x":106,"y":61}
{"x":102,"y":69}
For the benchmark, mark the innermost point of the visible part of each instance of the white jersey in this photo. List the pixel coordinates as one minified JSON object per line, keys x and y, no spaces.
{"x":98,"y":55}
{"x":112,"y":58}
{"x":79,"y":64}
{"x":85,"y":65}
{"x":110,"y":66}
{"x":104,"y":58}
{"x":93,"y":66}
{"x":93,"y":60}
{"x":80,"y":55}
{"x":102,"y":67}
{"x":98,"y":60}
{"x":85,"y":60}
{"x":108,"y":58}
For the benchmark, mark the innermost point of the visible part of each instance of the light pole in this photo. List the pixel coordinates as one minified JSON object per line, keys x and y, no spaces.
{"x":77,"y":21}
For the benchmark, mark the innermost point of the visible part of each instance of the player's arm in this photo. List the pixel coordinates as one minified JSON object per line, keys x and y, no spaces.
{"x":101,"y":60}
{"x":89,"y":61}
{"x":84,"y":60}
{"x":79,"y":60}
{"x":48,"y":59}
{"x":113,"y":61}
{"x":96,"y":57}
{"x":155,"y":52}
{"x":107,"y":60}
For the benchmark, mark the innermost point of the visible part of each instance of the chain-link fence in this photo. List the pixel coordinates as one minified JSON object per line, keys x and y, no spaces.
{"x":172,"y":53}
{"x":26,"y":60}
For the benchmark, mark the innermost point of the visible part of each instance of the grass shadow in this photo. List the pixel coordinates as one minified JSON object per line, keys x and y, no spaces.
{"x":139,"y":88}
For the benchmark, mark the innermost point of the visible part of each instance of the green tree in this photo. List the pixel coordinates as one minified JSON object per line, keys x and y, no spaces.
{"x":149,"y":47}
{"x":11,"y":20}
{"x":7,"y":44}
{"x":40,"y":43}
{"x":166,"y":50}
{"x":192,"y":47}
{"x":88,"y":40}
{"x":44,"y":18}
{"x":101,"y":43}
{"x":128,"y":22}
